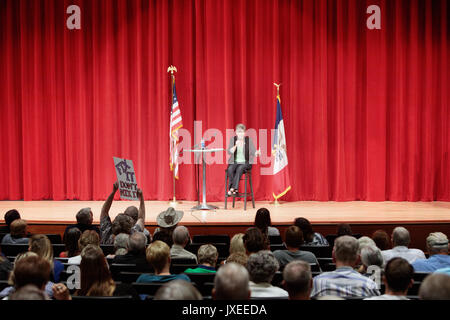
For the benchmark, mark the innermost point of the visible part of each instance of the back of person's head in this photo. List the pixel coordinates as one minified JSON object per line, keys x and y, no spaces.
{"x":398,"y":274}
{"x":31,"y":270}
{"x":10,"y":216}
{"x":400,"y":237}
{"x":207,"y":254}
{"x":41,"y":245}
{"x":122,"y":224}
{"x":88,"y":237}
{"x":437,"y":242}
{"x":95,"y":275}
{"x":306,"y":227}
{"x":255,"y":240}
{"x":381,"y":239}
{"x":137,"y":242}
{"x":132,"y":212}
{"x":343,"y":229}
{"x":178,"y":290}
{"x":19,"y":257}
{"x":297,"y":278}
{"x":237,"y":244}
{"x":164,"y":235}
{"x":262,"y":220}
{"x":71,"y":238}
{"x":365,"y":242}
{"x":180,"y":236}
{"x":346,"y":250}
{"x":158,"y":255}
{"x":371,"y":256}
{"x":435,"y":287}
{"x":85,"y":216}
{"x":293,"y":237}
{"x":231,"y":283}
{"x":239,"y":258}
{"x":121,"y":243}
{"x":29,"y":292}
{"x":18,"y":228}
{"x":262,"y":266}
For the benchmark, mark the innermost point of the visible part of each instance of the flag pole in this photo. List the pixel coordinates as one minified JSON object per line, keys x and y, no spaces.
{"x":172,"y":69}
{"x":277,"y":85}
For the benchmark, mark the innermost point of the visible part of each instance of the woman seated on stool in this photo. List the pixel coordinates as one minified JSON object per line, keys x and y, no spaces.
{"x":242,"y":151}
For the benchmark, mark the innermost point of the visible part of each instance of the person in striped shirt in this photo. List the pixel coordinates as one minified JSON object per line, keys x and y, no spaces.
{"x":344,"y":281}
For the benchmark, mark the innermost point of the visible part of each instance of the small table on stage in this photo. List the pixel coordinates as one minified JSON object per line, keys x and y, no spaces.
{"x":203,"y":150}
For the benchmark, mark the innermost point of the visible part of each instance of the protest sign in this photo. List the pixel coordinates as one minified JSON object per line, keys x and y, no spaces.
{"x":126,"y":178}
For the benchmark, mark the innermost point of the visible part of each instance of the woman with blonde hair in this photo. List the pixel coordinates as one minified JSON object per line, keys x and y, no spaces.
{"x":41,"y":245}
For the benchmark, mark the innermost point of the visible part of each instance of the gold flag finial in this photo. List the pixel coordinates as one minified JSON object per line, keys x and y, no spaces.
{"x":278,"y":87}
{"x":171,"y":69}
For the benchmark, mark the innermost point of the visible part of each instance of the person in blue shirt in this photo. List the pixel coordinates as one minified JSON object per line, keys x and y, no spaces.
{"x":437,"y":245}
{"x":158,"y":255}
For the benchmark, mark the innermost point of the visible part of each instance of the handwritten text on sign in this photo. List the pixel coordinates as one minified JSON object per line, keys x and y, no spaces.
{"x":127,"y":178}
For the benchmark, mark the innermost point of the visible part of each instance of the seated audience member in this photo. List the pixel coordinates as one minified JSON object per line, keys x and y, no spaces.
{"x":9,"y":217}
{"x":30,"y":269}
{"x":237,"y":244}
{"x":370,"y":256}
{"x":310,"y":237}
{"x":343,"y":229}
{"x":435,"y":287}
{"x":231,"y":283}
{"x":5,"y":268}
{"x":180,"y":239}
{"x":297,"y":280}
{"x":71,"y":238}
{"x":122,"y":223}
{"x":382,"y":240}
{"x":29,"y":292}
{"x":120,"y":245}
{"x":261,"y":267}
{"x":398,"y":278}
{"x":437,"y":246}
{"x":158,"y":256}
{"x":178,"y":290}
{"x":164,"y":235}
{"x":41,"y":245}
{"x":18,"y":234}
{"x":344,"y":281}
{"x":207,"y":260}
{"x":137,"y":214}
{"x":364,"y":242}
{"x":239,"y":258}
{"x":167,"y":221}
{"x":255,"y":240}
{"x":400,"y":242}
{"x":84,"y":218}
{"x":96,"y":280}
{"x":293,"y":241}
{"x":136,"y":252}
{"x":87,"y":237}
{"x":264,"y":223}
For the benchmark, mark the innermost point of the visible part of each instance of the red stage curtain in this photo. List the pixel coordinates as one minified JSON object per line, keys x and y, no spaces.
{"x":366,"y":111}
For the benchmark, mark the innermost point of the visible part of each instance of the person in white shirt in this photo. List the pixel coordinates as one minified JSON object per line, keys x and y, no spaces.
{"x":398,"y":278}
{"x":261,"y":267}
{"x":400,"y":243}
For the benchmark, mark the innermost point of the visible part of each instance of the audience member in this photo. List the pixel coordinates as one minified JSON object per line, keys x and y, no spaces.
{"x":297,"y":280}
{"x":239,"y":258}
{"x":120,"y":245}
{"x":254,"y":241}
{"x":181,"y":238}
{"x":87,"y":237}
{"x":343,"y":229}
{"x":18,"y":234}
{"x":310,"y":237}
{"x":167,"y":221}
{"x":398,"y":278}
{"x":41,"y":245}
{"x":435,"y":287}
{"x":294,"y":241}
{"x":400,"y":242}
{"x":71,"y":238}
{"x":231,"y":283}
{"x":207,"y":260}
{"x":29,"y":292}
{"x":177,"y":290}
{"x":370,"y":256}
{"x":264,"y":223}
{"x":84,"y":217}
{"x":9,"y":217}
{"x":136,"y":252}
{"x":158,"y":256}
{"x":5,"y":268}
{"x":382,"y":240}
{"x":135,"y":214}
{"x":344,"y":281}
{"x":237,"y":244}
{"x":261,"y":267}
{"x":164,"y":235}
{"x":437,"y":245}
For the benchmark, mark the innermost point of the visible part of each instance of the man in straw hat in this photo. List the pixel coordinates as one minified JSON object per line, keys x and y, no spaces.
{"x":437,"y":245}
{"x":167,"y":222}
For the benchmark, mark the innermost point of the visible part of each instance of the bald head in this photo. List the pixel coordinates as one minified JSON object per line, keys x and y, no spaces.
{"x":180,"y":236}
{"x":435,"y":287}
{"x":400,"y":237}
{"x":132,"y":212}
{"x":297,"y":279}
{"x":137,"y":242}
{"x":231,"y":283}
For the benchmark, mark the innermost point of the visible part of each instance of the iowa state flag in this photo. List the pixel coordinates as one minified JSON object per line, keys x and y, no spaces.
{"x":280,"y":183}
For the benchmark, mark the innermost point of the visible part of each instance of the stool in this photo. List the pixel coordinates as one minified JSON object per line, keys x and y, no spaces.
{"x":246,"y":176}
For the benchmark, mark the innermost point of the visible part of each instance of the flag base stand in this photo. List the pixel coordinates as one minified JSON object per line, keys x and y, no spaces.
{"x":174,"y":203}
{"x":276,"y":203}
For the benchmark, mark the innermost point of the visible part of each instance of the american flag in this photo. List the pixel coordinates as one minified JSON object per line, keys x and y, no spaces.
{"x":175,"y":124}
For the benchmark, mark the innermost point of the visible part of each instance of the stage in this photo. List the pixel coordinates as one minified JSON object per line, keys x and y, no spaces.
{"x":365,"y":217}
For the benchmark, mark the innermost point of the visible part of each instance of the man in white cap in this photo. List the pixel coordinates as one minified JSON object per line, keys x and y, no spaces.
{"x":437,"y":245}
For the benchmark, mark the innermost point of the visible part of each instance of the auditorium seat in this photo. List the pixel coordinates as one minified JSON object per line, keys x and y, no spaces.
{"x":99,"y":299}
{"x":420,"y":276}
{"x":274,"y":247}
{"x":326,"y":264}
{"x":54,"y":238}
{"x":319,"y":251}
{"x":211,"y":238}
{"x":57,"y":249}
{"x":115,"y":268}
{"x":126,"y":276}
{"x":331,"y":237}
{"x":201,"y":278}
{"x":147,"y":288}
{"x":275,"y":240}
{"x":180,"y":268}
{"x":107,"y":249}
{"x":13,"y":249}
